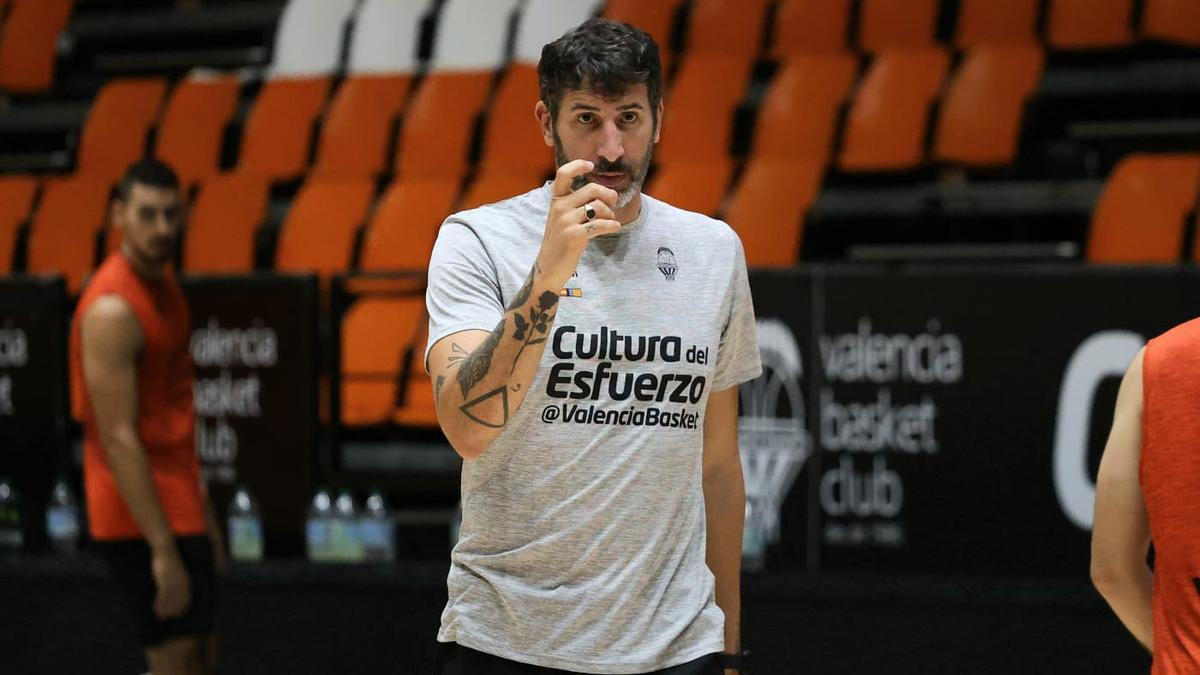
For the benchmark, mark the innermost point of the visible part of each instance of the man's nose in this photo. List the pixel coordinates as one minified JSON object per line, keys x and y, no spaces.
{"x":611,"y":148}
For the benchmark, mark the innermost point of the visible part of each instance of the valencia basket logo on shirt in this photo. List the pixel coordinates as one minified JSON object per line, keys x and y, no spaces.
{"x":666,"y":263}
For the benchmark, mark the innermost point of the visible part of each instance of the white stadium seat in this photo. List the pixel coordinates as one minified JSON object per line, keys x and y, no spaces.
{"x":544,"y":21}
{"x":472,"y":35}
{"x":386,"y":34}
{"x":309,"y":37}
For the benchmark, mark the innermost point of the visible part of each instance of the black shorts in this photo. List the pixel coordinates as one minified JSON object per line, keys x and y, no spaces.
{"x":454,"y":659}
{"x":129,"y":560}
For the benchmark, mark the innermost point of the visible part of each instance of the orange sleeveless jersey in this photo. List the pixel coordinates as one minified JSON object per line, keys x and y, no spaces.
{"x":1170,"y":478}
{"x":166,"y":417}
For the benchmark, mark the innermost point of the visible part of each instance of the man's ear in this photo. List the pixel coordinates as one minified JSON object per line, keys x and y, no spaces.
{"x":545,"y":123}
{"x":116,"y":213}
{"x":658,"y":128}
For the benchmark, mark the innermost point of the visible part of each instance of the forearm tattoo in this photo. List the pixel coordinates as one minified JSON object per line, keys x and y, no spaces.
{"x":522,"y":295}
{"x":476,"y":365}
{"x":538,"y":323}
{"x":474,"y":368}
{"x":530,"y":328}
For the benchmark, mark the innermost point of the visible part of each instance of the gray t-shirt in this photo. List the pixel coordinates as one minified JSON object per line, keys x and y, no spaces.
{"x":583,"y":536}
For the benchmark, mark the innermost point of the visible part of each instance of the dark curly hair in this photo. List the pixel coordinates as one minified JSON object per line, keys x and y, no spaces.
{"x":604,"y":56}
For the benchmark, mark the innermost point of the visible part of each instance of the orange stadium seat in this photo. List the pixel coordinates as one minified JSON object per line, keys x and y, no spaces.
{"x":493,"y":186}
{"x":803,"y":26}
{"x":1140,"y":215}
{"x":695,"y":186}
{"x":768,"y":205}
{"x":376,"y":333}
{"x":726,"y":27}
{"x":987,"y":22}
{"x":406,"y":222}
{"x":193,"y":126}
{"x":357,"y":135}
{"x":799,"y":113}
{"x":885,"y":129}
{"x":1089,"y":24}
{"x":1173,"y":21}
{"x":318,"y":234}
{"x":63,"y":234}
{"x":894,"y":24}
{"x":419,"y":408}
{"x":512,"y":139}
{"x":279,"y":128}
{"x":981,"y":114}
{"x":437,"y":128}
{"x":28,"y":43}
{"x":118,"y":125}
{"x":222,"y":224}
{"x":698,"y":121}
{"x":656,"y":17}
{"x":16,"y":198}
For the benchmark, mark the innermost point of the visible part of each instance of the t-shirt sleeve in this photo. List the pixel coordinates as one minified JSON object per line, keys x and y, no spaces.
{"x":463,"y":291}
{"x":737,"y":357}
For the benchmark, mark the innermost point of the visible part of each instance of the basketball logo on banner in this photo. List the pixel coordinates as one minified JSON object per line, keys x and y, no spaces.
{"x":772,"y":436}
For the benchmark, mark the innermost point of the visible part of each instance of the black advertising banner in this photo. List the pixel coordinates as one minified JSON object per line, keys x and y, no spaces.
{"x":254,"y":346}
{"x":33,"y":391}
{"x":773,"y":428}
{"x":958,"y":416}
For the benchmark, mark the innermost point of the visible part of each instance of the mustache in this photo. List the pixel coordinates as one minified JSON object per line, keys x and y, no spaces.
{"x":601,"y":166}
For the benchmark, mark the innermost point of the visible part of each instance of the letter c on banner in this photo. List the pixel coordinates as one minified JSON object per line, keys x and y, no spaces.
{"x":1101,"y":355}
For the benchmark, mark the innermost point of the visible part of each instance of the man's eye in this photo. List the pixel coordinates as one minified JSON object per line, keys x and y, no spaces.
{"x":585,"y":119}
{"x":630,"y":118}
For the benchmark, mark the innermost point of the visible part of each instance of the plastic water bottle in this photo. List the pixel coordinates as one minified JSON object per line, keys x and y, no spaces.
{"x":317,"y":534}
{"x":11,"y":536}
{"x":375,"y":530}
{"x":245,"y":528}
{"x":62,"y":518}
{"x":347,"y":546}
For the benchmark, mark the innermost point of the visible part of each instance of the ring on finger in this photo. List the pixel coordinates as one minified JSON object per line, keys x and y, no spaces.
{"x":589,"y":212}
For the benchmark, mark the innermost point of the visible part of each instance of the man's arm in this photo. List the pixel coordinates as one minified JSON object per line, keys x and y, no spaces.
{"x":725,"y":507}
{"x":1121,"y":531}
{"x":111,"y":341}
{"x":480,"y":378}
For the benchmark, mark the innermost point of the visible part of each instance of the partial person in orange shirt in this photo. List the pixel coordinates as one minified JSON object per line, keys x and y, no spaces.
{"x":132,"y":372}
{"x":1148,"y":490}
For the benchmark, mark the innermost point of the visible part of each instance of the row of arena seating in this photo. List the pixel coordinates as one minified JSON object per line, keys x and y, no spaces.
{"x":29,"y":38}
{"x":795,"y":135}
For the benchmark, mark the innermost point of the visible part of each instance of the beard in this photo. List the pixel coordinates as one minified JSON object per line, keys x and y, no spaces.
{"x":636,"y":174}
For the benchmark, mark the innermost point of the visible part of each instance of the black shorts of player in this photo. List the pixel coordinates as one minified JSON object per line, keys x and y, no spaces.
{"x":129,"y":560}
{"x":454,"y":659}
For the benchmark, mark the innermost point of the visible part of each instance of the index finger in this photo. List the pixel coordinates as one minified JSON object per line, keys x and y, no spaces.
{"x":567,"y":173}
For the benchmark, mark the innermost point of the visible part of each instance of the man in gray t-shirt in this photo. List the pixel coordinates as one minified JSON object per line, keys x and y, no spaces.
{"x":586,"y":342}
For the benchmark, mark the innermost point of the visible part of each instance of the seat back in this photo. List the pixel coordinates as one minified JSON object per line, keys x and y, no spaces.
{"x":981,"y":114}
{"x":885,"y":128}
{"x":1140,"y":215}
{"x":222,"y":224}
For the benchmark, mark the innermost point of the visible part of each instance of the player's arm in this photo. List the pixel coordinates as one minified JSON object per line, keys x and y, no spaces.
{"x":1121,"y":531}
{"x":481,"y":378}
{"x":724,"y":507}
{"x":111,"y":341}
